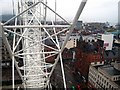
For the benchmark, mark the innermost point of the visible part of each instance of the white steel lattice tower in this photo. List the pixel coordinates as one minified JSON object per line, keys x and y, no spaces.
{"x":35,"y":41}
{"x":35,"y":70}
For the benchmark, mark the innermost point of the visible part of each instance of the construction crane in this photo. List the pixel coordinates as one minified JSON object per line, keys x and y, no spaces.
{"x":30,"y":34}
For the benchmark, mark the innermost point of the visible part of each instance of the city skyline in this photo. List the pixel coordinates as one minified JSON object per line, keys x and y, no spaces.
{"x":95,"y":10}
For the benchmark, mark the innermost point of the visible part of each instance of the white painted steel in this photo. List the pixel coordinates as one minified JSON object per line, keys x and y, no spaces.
{"x":30,"y":38}
{"x":33,"y":55}
{"x":38,"y":26}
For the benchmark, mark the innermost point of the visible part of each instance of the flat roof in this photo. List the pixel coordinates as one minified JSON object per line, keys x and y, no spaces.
{"x":110,"y":70}
{"x":97,"y":66}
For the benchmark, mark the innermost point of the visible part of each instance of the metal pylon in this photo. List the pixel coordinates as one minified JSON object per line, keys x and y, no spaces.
{"x":35,"y":41}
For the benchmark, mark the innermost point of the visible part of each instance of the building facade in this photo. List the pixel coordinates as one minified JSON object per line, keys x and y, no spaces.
{"x":104,"y":77}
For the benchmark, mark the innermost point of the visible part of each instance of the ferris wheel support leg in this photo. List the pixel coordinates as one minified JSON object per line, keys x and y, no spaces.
{"x":81,"y":7}
{"x":10,"y":53}
{"x":5,"y":41}
{"x":13,"y":73}
{"x":63,"y":73}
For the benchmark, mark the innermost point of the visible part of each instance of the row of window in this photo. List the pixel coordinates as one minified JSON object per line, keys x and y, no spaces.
{"x":5,"y":64}
{"x":5,"y":57}
{"x":104,"y":82}
{"x":101,"y":80}
{"x":91,"y":81}
{"x":72,"y":39}
{"x":92,"y":71}
{"x":92,"y":76}
{"x":116,"y":78}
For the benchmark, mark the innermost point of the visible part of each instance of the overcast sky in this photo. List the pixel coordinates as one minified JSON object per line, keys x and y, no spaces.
{"x":94,"y":11}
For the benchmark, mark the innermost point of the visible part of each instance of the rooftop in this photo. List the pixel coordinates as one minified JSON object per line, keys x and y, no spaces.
{"x":97,"y":66}
{"x":110,"y":70}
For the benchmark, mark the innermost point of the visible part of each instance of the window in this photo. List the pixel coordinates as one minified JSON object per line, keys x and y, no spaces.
{"x":110,"y":86}
{"x":107,"y":83}
{"x":74,"y":44}
{"x":114,"y":78}
{"x":118,"y":77}
{"x":95,"y":62}
{"x":104,"y":86}
{"x":102,"y":79}
{"x":98,"y":76}
{"x":100,"y":61}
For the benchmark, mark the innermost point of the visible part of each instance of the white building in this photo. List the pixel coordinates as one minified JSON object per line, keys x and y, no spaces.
{"x":72,"y":40}
{"x":104,"y":77}
{"x":108,"y":40}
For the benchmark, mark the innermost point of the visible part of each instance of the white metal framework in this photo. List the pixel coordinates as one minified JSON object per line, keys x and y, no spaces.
{"x":31,"y":34}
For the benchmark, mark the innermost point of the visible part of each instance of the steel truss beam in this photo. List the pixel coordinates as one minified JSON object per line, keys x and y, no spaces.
{"x":32,"y":36}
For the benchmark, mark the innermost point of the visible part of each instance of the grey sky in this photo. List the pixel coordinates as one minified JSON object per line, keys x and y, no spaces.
{"x":95,"y":10}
